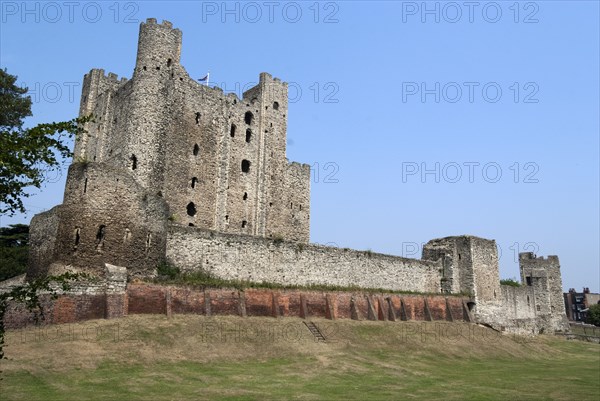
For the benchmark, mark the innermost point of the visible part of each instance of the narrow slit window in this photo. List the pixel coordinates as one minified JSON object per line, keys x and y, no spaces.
{"x":276,"y":105}
{"x":133,"y":160}
{"x":245,"y":195}
{"x":77,"y":236}
{"x":196,"y":150}
{"x":248,"y":135}
{"x":198,"y":117}
{"x":232,"y":130}
{"x":148,"y":243}
{"x":194,"y":182}
{"x":245,"y":166}
{"x":100,"y":234}
{"x":100,"y":237}
{"x":244,"y":223}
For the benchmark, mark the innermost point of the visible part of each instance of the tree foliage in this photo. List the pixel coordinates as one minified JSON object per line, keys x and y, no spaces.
{"x":510,"y":281}
{"x":27,"y":155}
{"x":14,"y":250}
{"x":593,"y":315}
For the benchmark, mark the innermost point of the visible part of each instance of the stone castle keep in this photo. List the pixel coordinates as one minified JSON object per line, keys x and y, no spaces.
{"x":178,"y":172}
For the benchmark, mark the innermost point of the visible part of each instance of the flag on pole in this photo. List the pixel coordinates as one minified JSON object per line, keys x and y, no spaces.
{"x":205,"y":79}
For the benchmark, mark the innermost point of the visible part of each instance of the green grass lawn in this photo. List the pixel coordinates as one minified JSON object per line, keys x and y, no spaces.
{"x":229,"y":358}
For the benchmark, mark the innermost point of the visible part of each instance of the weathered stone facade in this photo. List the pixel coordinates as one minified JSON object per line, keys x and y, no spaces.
{"x":218,"y":161}
{"x":175,"y":171}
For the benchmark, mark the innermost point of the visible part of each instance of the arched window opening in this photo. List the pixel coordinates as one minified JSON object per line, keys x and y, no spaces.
{"x":191,"y":209}
{"x":133,"y":160}
{"x":194,"y":182}
{"x":471,"y":306}
{"x":232,"y":131}
{"x":248,"y":117}
{"x":169,"y":62}
{"x":197,"y":117}
{"x":196,"y":150}
{"x":100,"y":237}
{"x":245,"y":195}
{"x":191,"y":224}
{"x":248,"y":135}
{"x":100,"y":234}
{"x":276,"y":105}
{"x":245,"y":166}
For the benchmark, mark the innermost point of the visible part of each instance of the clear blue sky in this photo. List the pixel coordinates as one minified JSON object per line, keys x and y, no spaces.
{"x":380,"y":92}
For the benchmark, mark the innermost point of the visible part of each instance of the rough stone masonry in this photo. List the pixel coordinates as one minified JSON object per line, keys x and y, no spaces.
{"x":175,"y":171}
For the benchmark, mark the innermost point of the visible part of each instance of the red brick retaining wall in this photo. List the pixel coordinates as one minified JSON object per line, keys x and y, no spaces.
{"x":162,"y":299}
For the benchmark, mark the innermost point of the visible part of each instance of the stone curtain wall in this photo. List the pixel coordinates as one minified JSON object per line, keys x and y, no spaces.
{"x":257,"y":259}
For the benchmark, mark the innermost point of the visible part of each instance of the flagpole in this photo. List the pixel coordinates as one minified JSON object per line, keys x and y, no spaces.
{"x":207,"y":78}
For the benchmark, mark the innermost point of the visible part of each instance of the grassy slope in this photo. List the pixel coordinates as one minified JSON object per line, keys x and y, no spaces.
{"x":194,"y":357}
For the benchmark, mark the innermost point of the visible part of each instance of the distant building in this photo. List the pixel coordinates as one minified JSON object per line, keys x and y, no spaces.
{"x":577,"y":303}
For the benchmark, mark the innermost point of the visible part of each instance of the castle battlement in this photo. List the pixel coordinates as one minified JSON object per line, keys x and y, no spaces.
{"x":532,"y":256}
{"x":152,"y":21}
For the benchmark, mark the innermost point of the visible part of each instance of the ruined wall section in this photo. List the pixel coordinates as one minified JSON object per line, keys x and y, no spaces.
{"x":486,"y":271}
{"x":107,"y":217}
{"x":43,"y":231}
{"x":233,"y":256}
{"x":98,"y":99}
{"x":445,"y":250}
{"x":514,"y":311}
{"x":470,"y":265}
{"x":293,"y":223}
{"x":544,"y":277}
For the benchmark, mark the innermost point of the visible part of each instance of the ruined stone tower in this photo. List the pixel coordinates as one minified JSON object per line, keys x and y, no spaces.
{"x":165,"y":149}
{"x":542,"y":277}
